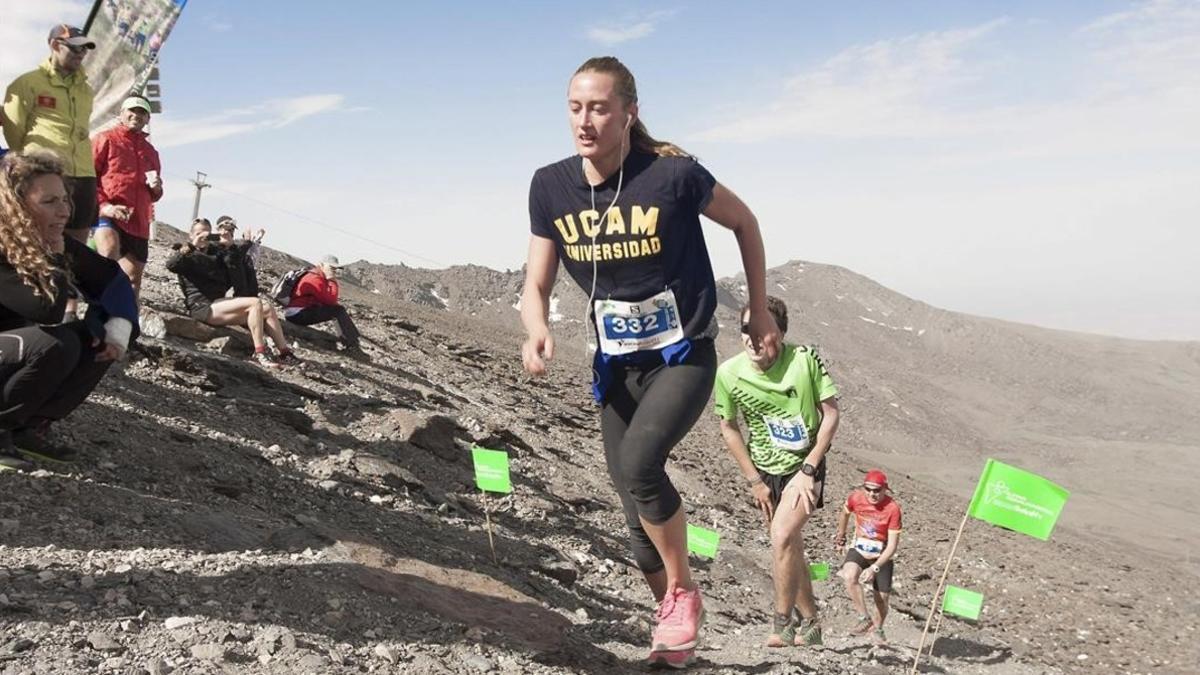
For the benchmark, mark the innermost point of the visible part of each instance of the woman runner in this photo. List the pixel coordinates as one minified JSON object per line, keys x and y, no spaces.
{"x":623,"y":215}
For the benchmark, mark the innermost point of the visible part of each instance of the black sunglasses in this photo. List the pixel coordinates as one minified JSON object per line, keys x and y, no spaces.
{"x":873,"y":490}
{"x":75,"y":49}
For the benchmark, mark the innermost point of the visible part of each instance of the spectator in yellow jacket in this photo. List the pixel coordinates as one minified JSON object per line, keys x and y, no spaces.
{"x":49,"y":108}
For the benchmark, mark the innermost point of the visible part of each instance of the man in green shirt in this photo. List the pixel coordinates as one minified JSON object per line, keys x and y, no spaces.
{"x":789,"y":406}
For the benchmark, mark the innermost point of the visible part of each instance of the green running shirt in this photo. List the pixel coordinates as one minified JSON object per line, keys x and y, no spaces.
{"x":781,"y":407}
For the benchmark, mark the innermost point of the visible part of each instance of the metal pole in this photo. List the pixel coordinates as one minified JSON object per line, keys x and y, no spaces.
{"x":200,"y":185}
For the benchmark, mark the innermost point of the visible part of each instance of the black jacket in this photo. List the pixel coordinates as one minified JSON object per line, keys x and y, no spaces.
{"x":205,"y":274}
{"x":98,"y":279}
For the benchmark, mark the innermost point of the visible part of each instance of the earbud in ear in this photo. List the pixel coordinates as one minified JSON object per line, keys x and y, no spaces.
{"x":628,"y":120}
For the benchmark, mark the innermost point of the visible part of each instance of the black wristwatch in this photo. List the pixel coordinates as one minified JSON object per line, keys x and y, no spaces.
{"x":808,"y":469}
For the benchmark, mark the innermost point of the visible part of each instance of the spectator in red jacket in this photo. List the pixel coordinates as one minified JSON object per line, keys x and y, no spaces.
{"x":315,"y":300}
{"x":128,"y":183}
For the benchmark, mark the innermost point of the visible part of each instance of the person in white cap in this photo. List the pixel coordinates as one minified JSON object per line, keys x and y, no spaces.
{"x":129,"y":181}
{"x":315,"y":300}
{"x":49,"y":108}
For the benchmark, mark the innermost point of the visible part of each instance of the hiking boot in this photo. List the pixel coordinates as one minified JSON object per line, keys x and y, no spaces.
{"x":288,"y":359}
{"x":264,"y":360}
{"x":672,"y":659}
{"x":783,"y":631}
{"x":33,"y":442}
{"x":680,"y":615}
{"x":9,"y":459}
{"x":808,"y":634}
{"x":864,"y":626}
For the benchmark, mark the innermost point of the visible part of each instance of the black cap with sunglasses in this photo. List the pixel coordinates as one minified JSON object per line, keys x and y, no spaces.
{"x":70,"y":36}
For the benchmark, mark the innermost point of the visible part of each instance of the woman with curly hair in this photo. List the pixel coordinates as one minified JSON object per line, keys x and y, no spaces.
{"x":47,"y":368}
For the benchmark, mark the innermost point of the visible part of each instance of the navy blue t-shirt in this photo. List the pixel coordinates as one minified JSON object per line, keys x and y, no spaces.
{"x":651,"y":239}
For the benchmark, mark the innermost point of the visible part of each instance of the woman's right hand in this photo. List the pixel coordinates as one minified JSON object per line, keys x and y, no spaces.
{"x":538,"y":348}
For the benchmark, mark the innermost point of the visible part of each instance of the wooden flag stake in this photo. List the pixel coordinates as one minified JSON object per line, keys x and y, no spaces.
{"x":936,"y":629}
{"x":488,"y":517}
{"x":938,"y":592}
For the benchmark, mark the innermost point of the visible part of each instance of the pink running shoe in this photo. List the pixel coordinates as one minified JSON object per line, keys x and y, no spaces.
{"x":680,"y":615}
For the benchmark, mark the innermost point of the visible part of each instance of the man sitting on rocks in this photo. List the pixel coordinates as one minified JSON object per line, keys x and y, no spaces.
{"x":202,"y":267}
{"x":315,"y":300}
{"x":241,"y":258}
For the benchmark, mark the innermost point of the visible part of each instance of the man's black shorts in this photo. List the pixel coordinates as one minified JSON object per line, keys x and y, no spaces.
{"x":777,"y":484}
{"x":84,"y":207}
{"x":883,"y":579}
{"x":135,"y":247}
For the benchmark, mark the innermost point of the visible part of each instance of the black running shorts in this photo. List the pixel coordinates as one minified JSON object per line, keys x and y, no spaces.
{"x":777,"y":484}
{"x":883,"y":578}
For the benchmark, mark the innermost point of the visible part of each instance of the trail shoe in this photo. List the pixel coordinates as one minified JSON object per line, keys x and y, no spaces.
{"x":783,"y":631}
{"x":864,"y":626}
{"x":264,"y":360}
{"x":288,"y":359}
{"x":9,"y":459}
{"x":33,"y":442}
{"x":672,"y":659}
{"x":680,"y":615}
{"x":808,"y":634}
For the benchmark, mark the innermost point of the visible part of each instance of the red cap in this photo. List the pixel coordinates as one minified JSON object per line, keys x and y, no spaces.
{"x":876,"y":477}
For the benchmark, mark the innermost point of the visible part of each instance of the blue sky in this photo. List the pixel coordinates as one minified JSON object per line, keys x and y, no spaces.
{"x":1026,"y":160}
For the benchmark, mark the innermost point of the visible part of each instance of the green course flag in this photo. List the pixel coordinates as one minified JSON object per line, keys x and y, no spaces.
{"x":1016,"y":499}
{"x":962,"y":602}
{"x":491,"y":469}
{"x":703,"y":542}
{"x":818,"y":571}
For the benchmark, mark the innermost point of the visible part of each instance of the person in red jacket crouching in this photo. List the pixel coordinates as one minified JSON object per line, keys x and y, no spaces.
{"x":315,"y":300}
{"x":128,"y":183}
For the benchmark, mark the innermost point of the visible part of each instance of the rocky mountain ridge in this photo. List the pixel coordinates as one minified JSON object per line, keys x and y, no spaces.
{"x":324,"y":520}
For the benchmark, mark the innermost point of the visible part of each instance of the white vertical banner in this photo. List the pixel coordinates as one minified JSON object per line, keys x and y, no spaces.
{"x":129,"y":34}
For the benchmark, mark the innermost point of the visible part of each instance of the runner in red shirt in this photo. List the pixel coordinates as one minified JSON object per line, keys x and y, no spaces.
{"x":869,"y":558}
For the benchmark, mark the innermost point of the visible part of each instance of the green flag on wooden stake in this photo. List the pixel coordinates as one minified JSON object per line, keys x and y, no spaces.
{"x":1016,"y":499}
{"x":491,"y":469}
{"x":962,"y":602}
{"x":702,"y":542}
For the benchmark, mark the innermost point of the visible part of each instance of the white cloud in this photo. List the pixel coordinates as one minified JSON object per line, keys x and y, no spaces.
{"x":24,"y":25}
{"x":1132,"y":83}
{"x":887,"y":88}
{"x":634,"y":29}
{"x":217,"y":25}
{"x":169,"y":132}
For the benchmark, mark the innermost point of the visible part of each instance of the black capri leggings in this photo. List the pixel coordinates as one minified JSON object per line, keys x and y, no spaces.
{"x":646,"y":412}
{"x":46,"y":372}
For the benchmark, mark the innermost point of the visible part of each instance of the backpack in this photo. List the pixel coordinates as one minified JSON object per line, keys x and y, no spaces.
{"x":281,"y":292}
